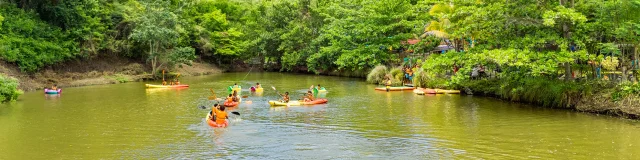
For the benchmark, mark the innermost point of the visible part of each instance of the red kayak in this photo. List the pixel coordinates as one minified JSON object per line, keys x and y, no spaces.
{"x":230,"y":104}
{"x":214,"y":124}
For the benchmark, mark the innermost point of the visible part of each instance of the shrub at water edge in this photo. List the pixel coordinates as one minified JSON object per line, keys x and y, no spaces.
{"x":376,"y":76}
{"x":8,"y":89}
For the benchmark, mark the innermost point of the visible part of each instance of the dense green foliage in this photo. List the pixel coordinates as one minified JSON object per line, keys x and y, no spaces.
{"x":325,"y":36}
{"x":314,"y":35}
{"x":8,"y":89}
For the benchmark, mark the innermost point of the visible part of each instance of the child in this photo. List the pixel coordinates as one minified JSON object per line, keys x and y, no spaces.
{"x":285,"y":97}
{"x":258,"y":85}
{"x":55,"y":87}
{"x":164,"y":82}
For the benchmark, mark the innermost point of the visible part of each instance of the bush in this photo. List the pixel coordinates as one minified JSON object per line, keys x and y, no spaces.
{"x":397,"y":73}
{"x":30,"y":43}
{"x":625,"y":89}
{"x":376,"y":76}
{"x":120,"y":78}
{"x":9,"y":89}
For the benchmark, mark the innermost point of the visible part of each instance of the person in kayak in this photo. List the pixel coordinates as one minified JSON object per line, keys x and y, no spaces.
{"x":220,"y":116}
{"x":319,"y":88}
{"x":309,"y":97}
{"x":164,"y":82}
{"x":258,"y":85}
{"x":387,"y":83}
{"x":230,"y":98}
{"x":285,"y":97}
{"x":212,"y":113}
{"x":235,"y":85}
{"x":235,"y":97}
{"x":177,"y":82}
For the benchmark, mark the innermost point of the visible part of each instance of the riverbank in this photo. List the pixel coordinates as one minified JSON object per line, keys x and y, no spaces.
{"x":95,"y":71}
{"x":597,"y":97}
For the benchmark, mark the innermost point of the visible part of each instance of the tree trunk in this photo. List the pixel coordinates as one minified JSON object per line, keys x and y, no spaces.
{"x":624,"y":68}
{"x":635,"y":61}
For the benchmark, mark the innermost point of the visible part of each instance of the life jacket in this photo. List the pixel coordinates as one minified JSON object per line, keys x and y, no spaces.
{"x":221,"y":117}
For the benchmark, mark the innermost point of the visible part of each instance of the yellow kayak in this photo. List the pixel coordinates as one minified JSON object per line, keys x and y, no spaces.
{"x":442,"y":91}
{"x":166,"y":86}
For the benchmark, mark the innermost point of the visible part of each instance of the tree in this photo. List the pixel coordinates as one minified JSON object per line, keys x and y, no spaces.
{"x":157,"y":28}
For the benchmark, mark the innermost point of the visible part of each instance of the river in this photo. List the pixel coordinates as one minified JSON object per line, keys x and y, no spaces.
{"x":127,"y":121}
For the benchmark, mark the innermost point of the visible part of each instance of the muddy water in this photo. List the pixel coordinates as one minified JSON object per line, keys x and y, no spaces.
{"x":127,"y":121}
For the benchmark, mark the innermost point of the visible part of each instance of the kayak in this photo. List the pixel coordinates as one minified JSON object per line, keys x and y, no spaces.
{"x":418,"y":91}
{"x":298,"y":103}
{"x":166,"y":86}
{"x":421,"y":91}
{"x":254,"y":89}
{"x":51,"y":91}
{"x":230,"y":104}
{"x":442,"y":91}
{"x":231,"y":89}
{"x":395,"y":88}
{"x":321,"y":90}
{"x":214,"y":124}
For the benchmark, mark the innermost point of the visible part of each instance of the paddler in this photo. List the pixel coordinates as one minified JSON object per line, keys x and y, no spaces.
{"x":387,"y":83}
{"x":235,"y":97}
{"x":177,"y":82}
{"x":285,"y":97}
{"x":212,"y":113}
{"x":309,"y":97}
{"x":235,"y":85}
{"x":258,"y":85}
{"x":164,"y":82}
{"x":220,"y":116}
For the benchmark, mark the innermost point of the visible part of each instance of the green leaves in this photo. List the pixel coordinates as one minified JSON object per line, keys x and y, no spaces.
{"x":563,"y":14}
{"x":9,"y":89}
{"x":30,"y":43}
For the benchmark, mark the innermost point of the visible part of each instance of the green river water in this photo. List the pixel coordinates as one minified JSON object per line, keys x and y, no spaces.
{"x":127,"y":121}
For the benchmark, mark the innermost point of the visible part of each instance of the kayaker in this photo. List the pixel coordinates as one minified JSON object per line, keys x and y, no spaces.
{"x":319,"y":88}
{"x":235,"y":97}
{"x":221,"y":116}
{"x":309,"y":97}
{"x":235,"y":85}
{"x":213,"y":112}
{"x":177,"y":82}
{"x":387,"y":83}
{"x":164,"y":82}
{"x":285,"y":97}
{"x":230,"y":98}
{"x":258,"y":85}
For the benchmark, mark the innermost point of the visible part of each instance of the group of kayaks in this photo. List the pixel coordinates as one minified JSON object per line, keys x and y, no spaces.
{"x":419,"y":91}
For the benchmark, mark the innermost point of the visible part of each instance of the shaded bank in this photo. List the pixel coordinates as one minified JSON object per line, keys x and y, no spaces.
{"x":96,"y":71}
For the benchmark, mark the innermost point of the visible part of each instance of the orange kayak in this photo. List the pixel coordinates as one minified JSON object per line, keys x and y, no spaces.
{"x":230,"y":104}
{"x":214,"y":124}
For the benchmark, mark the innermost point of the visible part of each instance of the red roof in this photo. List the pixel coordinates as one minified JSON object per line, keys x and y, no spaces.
{"x":413,"y":41}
